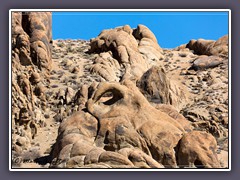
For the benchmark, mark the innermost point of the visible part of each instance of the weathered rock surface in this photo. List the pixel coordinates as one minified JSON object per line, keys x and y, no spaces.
{"x":205,"y":62}
{"x":135,"y":54}
{"x":119,"y":101}
{"x":31,"y":37}
{"x":198,"y":149}
{"x":133,"y":49}
{"x":209,"y":47}
{"x":109,"y":132}
{"x":31,"y":62}
{"x":159,"y":89}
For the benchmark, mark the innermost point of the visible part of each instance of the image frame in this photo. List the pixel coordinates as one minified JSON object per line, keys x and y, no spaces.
{"x":121,"y":10}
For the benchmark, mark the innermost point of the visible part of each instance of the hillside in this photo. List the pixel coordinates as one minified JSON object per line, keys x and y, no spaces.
{"x":117,"y":101}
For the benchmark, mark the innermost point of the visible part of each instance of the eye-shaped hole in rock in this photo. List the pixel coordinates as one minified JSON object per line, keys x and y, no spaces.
{"x":110,"y":97}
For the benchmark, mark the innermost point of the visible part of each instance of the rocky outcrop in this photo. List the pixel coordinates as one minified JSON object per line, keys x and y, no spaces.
{"x":205,"y":62}
{"x":155,"y":85}
{"x":210,"y":84}
{"x":31,"y":63}
{"x":119,"y":101}
{"x":134,"y":50}
{"x":198,"y":149}
{"x":159,"y":89}
{"x":121,"y":129}
{"x":147,"y":44}
{"x":209,"y":47}
{"x":134,"y":54}
{"x":31,"y":37}
{"x":39,"y":27}
{"x":220,"y":47}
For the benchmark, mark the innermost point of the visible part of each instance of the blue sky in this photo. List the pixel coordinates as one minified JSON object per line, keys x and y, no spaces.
{"x":171,"y":28}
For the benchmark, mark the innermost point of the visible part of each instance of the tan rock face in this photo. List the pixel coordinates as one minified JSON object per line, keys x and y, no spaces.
{"x":173,"y":113}
{"x":209,"y":47}
{"x":133,"y":49}
{"x":31,"y":63}
{"x":31,"y":36}
{"x":116,"y":101}
{"x":198,"y":149}
{"x":123,"y":130}
{"x":159,"y":89}
{"x":131,"y":54}
{"x":205,"y":62}
{"x":155,"y":84}
{"x":40,"y":28}
{"x":220,"y":47}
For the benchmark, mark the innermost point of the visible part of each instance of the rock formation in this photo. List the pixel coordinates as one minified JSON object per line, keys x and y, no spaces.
{"x":126,"y":122}
{"x":133,"y":49}
{"x":209,"y":47}
{"x":31,"y":65}
{"x":205,"y":62}
{"x":130,"y":54}
{"x":118,"y":101}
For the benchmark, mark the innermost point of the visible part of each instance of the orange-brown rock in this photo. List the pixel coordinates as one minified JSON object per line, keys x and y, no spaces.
{"x":159,"y":89}
{"x":205,"y":62}
{"x":31,"y":63}
{"x":121,"y":129}
{"x":209,"y":47}
{"x":31,"y":38}
{"x":118,"y":104}
{"x":136,"y":49}
{"x":198,"y":149}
